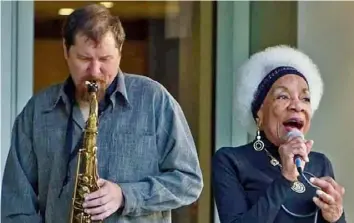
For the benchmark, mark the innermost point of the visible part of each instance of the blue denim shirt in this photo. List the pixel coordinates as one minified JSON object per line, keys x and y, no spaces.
{"x":144,"y":145}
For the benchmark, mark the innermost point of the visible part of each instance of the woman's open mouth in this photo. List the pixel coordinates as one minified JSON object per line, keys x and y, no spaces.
{"x":293,"y":123}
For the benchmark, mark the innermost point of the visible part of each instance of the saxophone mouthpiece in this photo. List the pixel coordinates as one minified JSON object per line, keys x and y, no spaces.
{"x":91,"y":86}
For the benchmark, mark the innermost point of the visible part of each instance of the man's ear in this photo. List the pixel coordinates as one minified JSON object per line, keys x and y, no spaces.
{"x":65,"y":51}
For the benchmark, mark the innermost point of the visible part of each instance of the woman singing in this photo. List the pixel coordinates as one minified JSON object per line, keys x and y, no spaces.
{"x":278,"y":91}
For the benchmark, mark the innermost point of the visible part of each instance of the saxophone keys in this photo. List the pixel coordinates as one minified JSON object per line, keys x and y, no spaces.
{"x":85,"y":179}
{"x":85,"y":189}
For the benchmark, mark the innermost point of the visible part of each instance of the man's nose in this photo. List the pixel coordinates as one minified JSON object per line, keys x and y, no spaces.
{"x":95,"y":68}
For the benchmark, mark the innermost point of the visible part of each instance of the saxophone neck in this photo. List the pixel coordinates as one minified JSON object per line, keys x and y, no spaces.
{"x":93,"y":104}
{"x":93,"y":113}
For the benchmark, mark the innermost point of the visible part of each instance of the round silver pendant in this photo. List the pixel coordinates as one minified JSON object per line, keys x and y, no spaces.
{"x":258,"y":145}
{"x":298,"y":187}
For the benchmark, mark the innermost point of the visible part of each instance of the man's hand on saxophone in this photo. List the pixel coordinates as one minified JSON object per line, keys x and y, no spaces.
{"x":105,"y":201}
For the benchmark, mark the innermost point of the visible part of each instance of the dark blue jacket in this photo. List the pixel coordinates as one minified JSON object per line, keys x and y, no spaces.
{"x":248,"y":189}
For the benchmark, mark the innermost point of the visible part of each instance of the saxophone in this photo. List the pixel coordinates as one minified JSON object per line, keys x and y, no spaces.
{"x":86,"y":171}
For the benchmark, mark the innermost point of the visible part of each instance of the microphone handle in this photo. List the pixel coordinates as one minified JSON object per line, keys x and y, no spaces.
{"x":298,"y":164}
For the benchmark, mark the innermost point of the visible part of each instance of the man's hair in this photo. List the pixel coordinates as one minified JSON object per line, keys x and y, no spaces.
{"x":93,"y":21}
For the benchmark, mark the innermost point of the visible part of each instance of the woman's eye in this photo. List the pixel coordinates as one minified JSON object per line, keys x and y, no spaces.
{"x":284,"y":97}
{"x":307,"y":99}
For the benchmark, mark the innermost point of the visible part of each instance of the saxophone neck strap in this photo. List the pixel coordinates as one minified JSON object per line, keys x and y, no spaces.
{"x":68,"y":146}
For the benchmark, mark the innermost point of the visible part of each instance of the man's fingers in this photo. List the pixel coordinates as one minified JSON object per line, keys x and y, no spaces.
{"x":101,"y":212}
{"x":99,"y":193}
{"x":97,"y":202}
{"x":97,"y":210}
{"x":101,"y":182}
{"x":102,"y":216}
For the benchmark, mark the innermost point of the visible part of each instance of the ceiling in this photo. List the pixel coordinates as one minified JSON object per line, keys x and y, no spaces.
{"x":124,"y":9}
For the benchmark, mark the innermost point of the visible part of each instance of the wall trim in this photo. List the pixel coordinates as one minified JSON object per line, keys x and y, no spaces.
{"x":16,"y":65}
{"x":232,"y":49}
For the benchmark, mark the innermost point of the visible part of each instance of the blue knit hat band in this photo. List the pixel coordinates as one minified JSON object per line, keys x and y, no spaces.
{"x":266,"y":85}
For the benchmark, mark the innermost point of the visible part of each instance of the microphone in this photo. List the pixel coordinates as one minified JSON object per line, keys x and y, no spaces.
{"x":296,"y":133}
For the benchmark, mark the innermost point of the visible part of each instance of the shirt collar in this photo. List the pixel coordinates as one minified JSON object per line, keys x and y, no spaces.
{"x":120,"y":88}
{"x":116,"y":91}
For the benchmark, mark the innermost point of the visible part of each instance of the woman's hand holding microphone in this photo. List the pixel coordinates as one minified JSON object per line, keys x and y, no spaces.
{"x":294,"y":146}
{"x":330,"y":197}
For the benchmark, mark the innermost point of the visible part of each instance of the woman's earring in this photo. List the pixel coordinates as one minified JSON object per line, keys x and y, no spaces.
{"x":258,"y":145}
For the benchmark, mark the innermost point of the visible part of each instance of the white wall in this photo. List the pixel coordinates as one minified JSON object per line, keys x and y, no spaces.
{"x":326,"y":33}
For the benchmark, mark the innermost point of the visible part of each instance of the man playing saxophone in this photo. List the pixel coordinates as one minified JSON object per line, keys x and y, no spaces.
{"x":146,"y":158}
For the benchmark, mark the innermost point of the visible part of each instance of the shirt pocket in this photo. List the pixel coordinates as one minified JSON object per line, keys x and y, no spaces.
{"x":132,"y":157}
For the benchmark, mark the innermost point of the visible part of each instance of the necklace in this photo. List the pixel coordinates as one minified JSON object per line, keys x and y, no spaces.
{"x":273,"y":160}
{"x":297,"y":186}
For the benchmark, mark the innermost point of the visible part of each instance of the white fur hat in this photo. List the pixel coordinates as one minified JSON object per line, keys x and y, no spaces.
{"x":259,"y":65}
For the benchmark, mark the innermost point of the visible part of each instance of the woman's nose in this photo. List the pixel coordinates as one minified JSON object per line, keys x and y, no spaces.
{"x":296,"y":105}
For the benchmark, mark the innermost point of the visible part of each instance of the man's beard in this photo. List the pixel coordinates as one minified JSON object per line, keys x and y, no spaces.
{"x":83,"y":94}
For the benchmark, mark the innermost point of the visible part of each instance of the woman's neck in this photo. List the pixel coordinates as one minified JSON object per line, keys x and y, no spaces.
{"x":271,"y":147}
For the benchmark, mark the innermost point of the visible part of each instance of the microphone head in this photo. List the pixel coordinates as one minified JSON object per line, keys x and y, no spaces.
{"x":294,"y":133}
